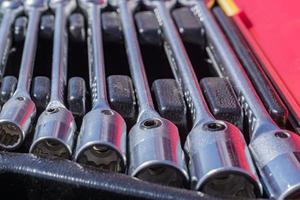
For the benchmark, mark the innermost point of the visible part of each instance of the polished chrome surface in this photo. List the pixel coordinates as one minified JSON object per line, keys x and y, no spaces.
{"x":274,"y":150}
{"x":218,"y":154}
{"x":154,"y":145}
{"x":18,"y":113}
{"x":55,"y":129}
{"x":10,"y":10}
{"x":102,"y":138}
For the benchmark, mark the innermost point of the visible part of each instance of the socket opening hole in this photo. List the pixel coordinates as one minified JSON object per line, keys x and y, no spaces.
{"x":215,"y":126}
{"x":100,"y":148}
{"x":151,"y":123}
{"x":282,"y":135}
{"x":107,"y":112}
{"x":52,"y":110}
{"x":20,"y":98}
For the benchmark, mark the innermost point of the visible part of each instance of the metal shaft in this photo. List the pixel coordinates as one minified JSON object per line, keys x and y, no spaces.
{"x":227,"y":148}
{"x":10,"y":11}
{"x":154,"y":144}
{"x":182,"y":66}
{"x":55,"y":129}
{"x":254,"y":108}
{"x":29,"y":51}
{"x":102,"y":138}
{"x":60,"y":54}
{"x":96,"y":57}
{"x":136,"y":64}
{"x":19,"y":111}
{"x":275,"y":151}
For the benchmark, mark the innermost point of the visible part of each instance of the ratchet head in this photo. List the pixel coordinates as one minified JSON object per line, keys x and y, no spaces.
{"x":156,"y":154}
{"x":219,"y":161}
{"x":16,"y":118}
{"x":41,"y":5}
{"x":11,"y":5}
{"x":54,"y":134}
{"x":277,"y":157}
{"x":102,"y":140}
{"x":152,"y":3}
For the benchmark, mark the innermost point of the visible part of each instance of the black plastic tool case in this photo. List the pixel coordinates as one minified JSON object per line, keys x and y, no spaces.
{"x":25,"y":176}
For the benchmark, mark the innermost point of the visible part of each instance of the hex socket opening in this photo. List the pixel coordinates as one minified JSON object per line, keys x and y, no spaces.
{"x":151,"y":123}
{"x":10,"y":135}
{"x":230,"y":185}
{"x":50,"y":147}
{"x":103,"y":157}
{"x":162,"y":174}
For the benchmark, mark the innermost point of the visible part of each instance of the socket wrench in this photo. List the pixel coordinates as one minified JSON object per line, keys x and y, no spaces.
{"x":219,"y":160}
{"x":274,"y":150}
{"x":55,"y":129}
{"x":10,"y":9}
{"x":102,"y":138}
{"x":19,"y":111}
{"x":154,"y":145}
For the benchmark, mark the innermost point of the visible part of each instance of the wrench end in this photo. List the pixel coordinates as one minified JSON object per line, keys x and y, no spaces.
{"x":220,"y":163}
{"x":102,"y":141}
{"x":11,"y":135}
{"x":156,"y":153}
{"x":52,"y":147}
{"x":103,"y":157}
{"x":54,"y":133}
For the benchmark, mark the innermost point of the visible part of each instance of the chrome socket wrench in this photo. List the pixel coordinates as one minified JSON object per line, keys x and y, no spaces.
{"x":274,"y":150}
{"x":19,"y":111}
{"x":10,"y":9}
{"x":154,"y":145}
{"x":219,"y":160}
{"x":102,"y":138}
{"x":55,"y":129}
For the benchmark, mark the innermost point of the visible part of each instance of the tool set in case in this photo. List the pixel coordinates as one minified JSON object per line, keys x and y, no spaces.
{"x":139,"y":99}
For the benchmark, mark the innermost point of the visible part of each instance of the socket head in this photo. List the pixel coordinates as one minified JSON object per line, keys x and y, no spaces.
{"x":16,"y":118}
{"x":11,"y":5}
{"x":84,"y":4}
{"x":152,"y":3}
{"x":54,"y":133}
{"x":41,"y":5}
{"x":156,"y":154}
{"x":102,"y":141}
{"x":277,"y":157}
{"x":219,"y":161}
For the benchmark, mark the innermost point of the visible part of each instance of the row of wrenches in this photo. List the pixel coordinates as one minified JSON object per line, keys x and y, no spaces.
{"x":215,"y":159}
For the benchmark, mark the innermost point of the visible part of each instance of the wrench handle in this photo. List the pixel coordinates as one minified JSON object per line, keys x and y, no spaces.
{"x":136,"y":64}
{"x":5,"y":38}
{"x":96,"y":57}
{"x":60,"y":55}
{"x":181,"y":65}
{"x":29,"y":51}
{"x":251,"y":103}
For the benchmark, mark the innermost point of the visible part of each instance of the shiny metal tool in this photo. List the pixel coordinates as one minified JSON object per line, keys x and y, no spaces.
{"x":10,"y":9}
{"x":219,"y":160}
{"x":55,"y":129}
{"x":19,"y":111}
{"x":102,"y":138}
{"x":274,"y":150}
{"x":154,"y":145}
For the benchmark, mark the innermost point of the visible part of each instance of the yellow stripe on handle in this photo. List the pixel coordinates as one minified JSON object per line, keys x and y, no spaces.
{"x":229,"y":7}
